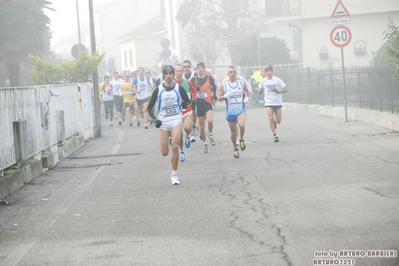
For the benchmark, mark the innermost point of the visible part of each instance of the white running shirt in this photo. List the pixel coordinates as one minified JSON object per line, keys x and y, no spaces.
{"x":116,"y":86}
{"x":270,"y":97}
{"x":142,"y":87}
{"x":235,"y":101}
{"x":169,"y":104}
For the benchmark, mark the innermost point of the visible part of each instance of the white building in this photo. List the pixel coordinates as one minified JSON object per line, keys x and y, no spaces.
{"x":115,"y":19}
{"x":305,"y":26}
{"x":140,"y":46}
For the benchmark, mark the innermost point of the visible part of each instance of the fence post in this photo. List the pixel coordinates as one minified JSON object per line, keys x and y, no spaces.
{"x":379,"y":90}
{"x":360,"y":90}
{"x":370,"y":91}
{"x":309,"y":84}
{"x":332,"y":90}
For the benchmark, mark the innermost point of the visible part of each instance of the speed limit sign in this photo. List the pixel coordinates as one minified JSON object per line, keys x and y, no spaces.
{"x":340,"y":36}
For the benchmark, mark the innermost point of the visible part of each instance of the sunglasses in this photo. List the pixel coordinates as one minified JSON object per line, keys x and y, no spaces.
{"x":186,"y":66}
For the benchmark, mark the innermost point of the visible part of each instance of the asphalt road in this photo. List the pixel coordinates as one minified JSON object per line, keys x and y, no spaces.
{"x":328,"y":185}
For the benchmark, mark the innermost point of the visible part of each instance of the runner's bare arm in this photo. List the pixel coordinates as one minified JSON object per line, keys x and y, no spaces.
{"x":221,"y":93}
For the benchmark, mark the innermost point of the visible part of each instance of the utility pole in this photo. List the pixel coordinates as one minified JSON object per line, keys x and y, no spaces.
{"x":97,"y":115}
{"x":79,"y":39}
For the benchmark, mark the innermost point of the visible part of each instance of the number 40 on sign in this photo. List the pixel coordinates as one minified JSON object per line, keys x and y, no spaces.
{"x":340,"y":36}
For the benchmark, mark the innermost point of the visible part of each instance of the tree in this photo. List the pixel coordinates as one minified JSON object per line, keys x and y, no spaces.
{"x":272,"y":51}
{"x":78,"y":70}
{"x":392,"y":46}
{"x":381,"y":57}
{"x":24,"y":30}
{"x":212,"y":25}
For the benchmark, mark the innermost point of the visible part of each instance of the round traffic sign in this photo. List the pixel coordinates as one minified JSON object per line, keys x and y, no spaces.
{"x":340,"y":36}
{"x":165,"y":43}
{"x":166,"y":53}
{"x":77,"y":49}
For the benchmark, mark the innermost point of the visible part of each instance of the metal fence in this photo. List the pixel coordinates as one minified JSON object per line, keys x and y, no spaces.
{"x":370,"y":88}
{"x":33,"y":119}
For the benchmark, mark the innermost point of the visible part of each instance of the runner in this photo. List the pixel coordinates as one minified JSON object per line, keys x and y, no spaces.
{"x":169,"y":96}
{"x":187,"y":113}
{"x":246,"y":100}
{"x":206,"y":93}
{"x":234,"y":92}
{"x":108,"y":99}
{"x":273,"y":88}
{"x":142,"y":87}
{"x":188,"y":75}
{"x":116,"y":85}
{"x":128,"y":98}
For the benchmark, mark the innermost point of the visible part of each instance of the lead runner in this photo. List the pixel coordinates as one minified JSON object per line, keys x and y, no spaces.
{"x":170,"y":98}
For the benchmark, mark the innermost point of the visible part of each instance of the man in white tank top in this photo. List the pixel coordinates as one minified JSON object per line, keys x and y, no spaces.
{"x":234,"y":92}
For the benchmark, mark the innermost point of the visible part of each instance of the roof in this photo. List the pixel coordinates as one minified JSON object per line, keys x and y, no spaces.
{"x":151,"y":27}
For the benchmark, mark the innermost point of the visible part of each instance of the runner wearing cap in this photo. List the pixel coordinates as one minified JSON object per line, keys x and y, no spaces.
{"x":170,"y":99}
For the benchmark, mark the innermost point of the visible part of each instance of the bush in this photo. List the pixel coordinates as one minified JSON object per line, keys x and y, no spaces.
{"x":79,"y":70}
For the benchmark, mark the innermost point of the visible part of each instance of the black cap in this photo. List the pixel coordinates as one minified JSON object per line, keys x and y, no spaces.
{"x":167,"y":70}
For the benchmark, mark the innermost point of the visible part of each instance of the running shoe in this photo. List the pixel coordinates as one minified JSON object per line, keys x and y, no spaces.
{"x":242,"y":145}
{"x":276,"y":138}
{"x":138,"y":123}
{"x":175,"y":180}
{"x":211,"y":139}
{"x":192,"y":139}
{"x":120,"y":122}
{"x":146,"y":126}
{"x":130,"y":123}
{"x":111,"y":124}
{"x":205,"y":150}
{"x":236,"y":155}
{"x":182,"y":156}
{"x":187,"y":142}
{"x":195,"y":130}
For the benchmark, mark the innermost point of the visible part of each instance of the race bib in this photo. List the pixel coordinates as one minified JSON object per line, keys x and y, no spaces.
{"x":202,"y":94}
{"x":171,"y":110}
{"x":235,"y":98}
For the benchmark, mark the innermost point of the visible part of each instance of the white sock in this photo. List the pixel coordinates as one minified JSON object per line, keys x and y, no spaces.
{"x":174,"y":173}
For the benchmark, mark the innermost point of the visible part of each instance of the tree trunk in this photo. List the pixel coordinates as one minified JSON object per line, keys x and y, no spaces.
{"x":13,"y":73}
